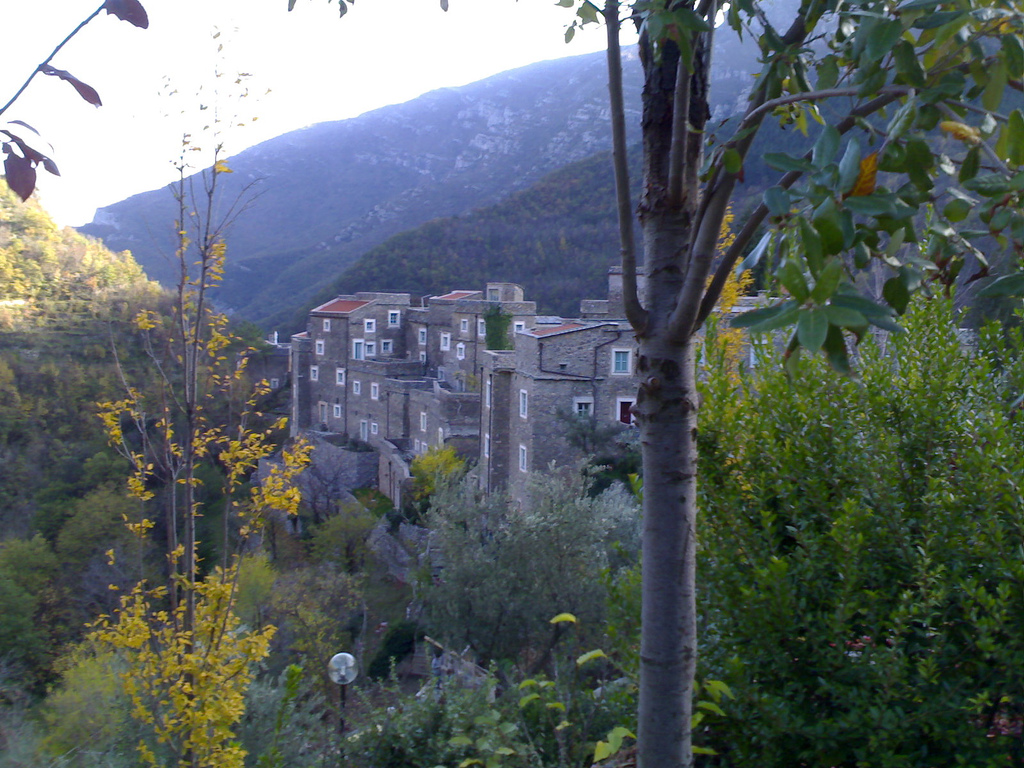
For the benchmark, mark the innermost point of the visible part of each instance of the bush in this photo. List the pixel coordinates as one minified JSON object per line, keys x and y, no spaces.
{"x":861,"y":556}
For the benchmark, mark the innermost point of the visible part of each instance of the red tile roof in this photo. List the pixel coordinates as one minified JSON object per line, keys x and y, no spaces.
{"x":341,"y":306}
{"x":458,"y":295}
{"x":548,"y":330}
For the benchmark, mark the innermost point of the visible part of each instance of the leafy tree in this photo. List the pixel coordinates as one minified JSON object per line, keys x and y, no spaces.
{"x":430,"y":468}
{"x":189,"y":659}
{"x":886,"y":79}
{"x":502,"y":573}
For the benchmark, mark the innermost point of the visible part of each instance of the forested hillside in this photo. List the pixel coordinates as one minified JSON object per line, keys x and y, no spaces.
{"x":557,"y":239}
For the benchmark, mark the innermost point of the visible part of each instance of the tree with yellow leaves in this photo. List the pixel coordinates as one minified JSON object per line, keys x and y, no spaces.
{"x":189,"y":660}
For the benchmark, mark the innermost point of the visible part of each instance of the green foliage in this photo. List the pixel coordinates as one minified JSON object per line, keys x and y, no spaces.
{"x":504,"y":572}
{"x":459,"y":727}
{"x":496,"y":325}
{"x":860,"y":551}
{"x":399,"y":642}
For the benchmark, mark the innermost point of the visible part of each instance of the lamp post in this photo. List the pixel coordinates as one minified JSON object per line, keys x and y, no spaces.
{"x":342,"y":669}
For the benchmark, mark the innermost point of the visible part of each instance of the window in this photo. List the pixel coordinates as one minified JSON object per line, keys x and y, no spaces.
{"x":460,"y":351}
{"x":487,"y":394}
{"x":464,"y":325}
{"x":337,"y":410}
{"x":394,"y":318}
{"x":364,"y":429}
{"x":314,"y":373}
{"x":423,"y":357}
{"x":520,"y":325}
{"x":327,"y":325}
{"x":357,"y":387}
{"x":322,"y":408}
{"x":446,"y":341}
{"x":440,"y":374}
{"x":522,"y":458}
{"x":524,"y":401}
{"x":423,"y":336}
{"x":339,"y":377}
{"x":583,"y":406}
{"x":624,"y":410}
{"x":385,"y":346}
{"x":416,"y":446}
{"x":487,"y":445}
{"x":622,"y":361}
{"x":371,"y":348}
{"x":423,"y":421}
{"x":275,"y":383}
{"x":374,"y":390}
{"x":374,"y":428}
{"x":358,"y":349}
{"x":481,"y":328}
{"x":494,"y":294}
{"x":319,"y":346}
{"x":369,"y":325}
{"x":440,"y":436}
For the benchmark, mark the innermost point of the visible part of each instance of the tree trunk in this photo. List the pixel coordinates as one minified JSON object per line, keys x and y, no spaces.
{"x":667,"y":416}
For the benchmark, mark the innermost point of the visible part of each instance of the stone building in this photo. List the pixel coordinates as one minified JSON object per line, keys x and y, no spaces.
{"x":403,"y":377}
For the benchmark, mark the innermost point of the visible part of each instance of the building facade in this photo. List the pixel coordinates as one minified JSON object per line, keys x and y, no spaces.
{"x":476,"y":370}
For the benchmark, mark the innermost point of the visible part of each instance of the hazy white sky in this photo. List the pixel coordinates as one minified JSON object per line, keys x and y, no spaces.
{"x":316,"y":66}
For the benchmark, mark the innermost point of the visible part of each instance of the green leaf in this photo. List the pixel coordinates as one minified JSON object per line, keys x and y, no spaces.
{"x":1007,"y":285}
{"x":957,"y":210}
{"x":835,"y":350}
{"x":780,"y":161}
{"x":995,"y":86}
{"x":527,"y":699}
{"x":970,"y":165}
{"x":756,"y":318}
{"x":590,"y":656}
{"x":588,"y":12}
{"x":777,"y":200}
{"x":602,"y":751}
{"x":872,"y":205}
{"x":710,"y":706}
{"x":844,"y":317}
{"x":1014,"y":132}
{"x":702,"y":750}
{"x":939,"y":19}
{"x":896,"y":294}
{"x":988,"y":185}
{"x":825,"y":147}
{"x":827,"y":281}
{"x":460,"y":741}
{"x":812,"y":328}
{"x":754,"y":257}
{"x":792,"y":277}
{"x":810,"y":241}
{"x":717,"y":689}
{"x":903,"y":119}
{"x":826,"y":221}
{"x":849,"y":166}
{"x":732,"y":160}
{"x":882,"y":39}
{"x":907,"y":63}
{"x":828,"y":72}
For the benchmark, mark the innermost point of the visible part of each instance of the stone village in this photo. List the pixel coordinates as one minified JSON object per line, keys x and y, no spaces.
{"x":477,"y":370}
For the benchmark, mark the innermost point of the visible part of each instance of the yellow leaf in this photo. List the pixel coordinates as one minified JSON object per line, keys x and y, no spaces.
{"x":865,"y":183}
{"x":960,"y":131}
{"x":563,"y":618}
{"x":221,"y":167}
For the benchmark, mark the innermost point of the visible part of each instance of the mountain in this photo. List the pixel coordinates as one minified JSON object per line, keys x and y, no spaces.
{"x":331,"y":192}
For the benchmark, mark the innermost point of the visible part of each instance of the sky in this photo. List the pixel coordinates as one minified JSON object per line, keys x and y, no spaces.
{"x":303,"y":67}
